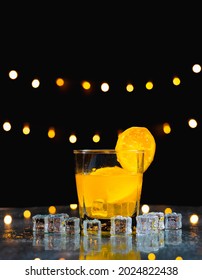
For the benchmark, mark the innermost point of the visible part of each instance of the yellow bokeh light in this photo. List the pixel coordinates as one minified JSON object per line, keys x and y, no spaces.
{"x":196,"y":68}
{"x":194,"y":219}
{"x":129,"y":87}
{"x":6,"y":126}
{"x":145,"y":208}
{"x":27,"y":214}
{"x":13,"y":74}
{"x":86,"y":85}
{"x":104,"y":87}
{"x":52,"y":209}
{"x":176,"y":81}
{"x":168,"y":210}
{"x":96,"y":138}
{"x":179,"y":258}
{"x":166,"y":128}
{"x":192,"y":123}
{"x":151,"y":256}
{"x":8,"y":219}
{"x":149,"y":85}
{"x":73,"y":206}
{"x":35,"y":83}
{"x":60,"y":82}
{"x":26,"y":129}
{"x":51,"y":132}
{"x":72,"y":138}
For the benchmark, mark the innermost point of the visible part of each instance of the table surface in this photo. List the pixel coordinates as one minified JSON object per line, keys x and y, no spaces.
{"x":19,"y":242}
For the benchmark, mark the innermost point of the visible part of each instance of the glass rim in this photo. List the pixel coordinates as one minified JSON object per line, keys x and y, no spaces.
{"x":104,"y":151}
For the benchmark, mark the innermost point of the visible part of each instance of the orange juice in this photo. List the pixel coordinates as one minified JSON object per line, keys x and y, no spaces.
{"x":108,"y":191}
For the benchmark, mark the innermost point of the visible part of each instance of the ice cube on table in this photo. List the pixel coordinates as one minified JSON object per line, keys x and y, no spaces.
{"x":161,"y":216}
{"x":146,"y":223}
{"x":54,"y":222}
{"x":38,"y":221}
{"x":173,"y":220}
{"x":92,"y":227}
{"x":121,"y":225}
{"x":71,"y":225}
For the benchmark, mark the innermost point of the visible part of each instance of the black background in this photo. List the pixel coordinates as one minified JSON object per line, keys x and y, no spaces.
{"x":98,"y":43}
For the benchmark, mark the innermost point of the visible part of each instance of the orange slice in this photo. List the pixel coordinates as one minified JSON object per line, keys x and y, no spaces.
{"x":135,"y":138}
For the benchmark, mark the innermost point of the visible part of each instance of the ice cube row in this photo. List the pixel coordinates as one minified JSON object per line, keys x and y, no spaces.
{"x":145,"y":223}
{"x":62,"y":223}
{"x":56,"y":223}
{"x":154,"y":221}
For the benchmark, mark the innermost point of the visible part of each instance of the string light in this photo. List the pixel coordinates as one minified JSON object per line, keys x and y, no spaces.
{"x":51,"y":132}
{"x":8,"y":219}
{"x":52,"y":209}
{"x":96,"y":138}
{"x":176,"y":81}
{"x":27,"y":214}
{"x":145,"y":208}
{"x":194,"y":219}
{"x":26,"y":129}
{"x":7,"y":126}
{"x":72,"y":138}
{"x":129,"y":87}
{"x":179,"y":258}
{"x":60,"y":82}
{"x":151,"y":256}
{"x":196,"y":68}
{"x":168,"y":210}
{"x":73,"y":206}
{"x":87,"y":86}
{"x":149,"y":85}
{"x":105,"y":87}
{"x":35,"y":83}
{"x":192,"y":123}
{"x":13,"y":74}
{"x":166,"y":128}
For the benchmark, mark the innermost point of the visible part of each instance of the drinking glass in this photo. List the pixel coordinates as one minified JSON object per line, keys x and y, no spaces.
{"x":105,"y":188}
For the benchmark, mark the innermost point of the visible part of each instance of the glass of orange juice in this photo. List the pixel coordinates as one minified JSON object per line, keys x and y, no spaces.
{"x":106,"y":187}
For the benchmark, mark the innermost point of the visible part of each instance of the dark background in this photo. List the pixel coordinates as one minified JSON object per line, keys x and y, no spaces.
{"x":98,"y":43}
